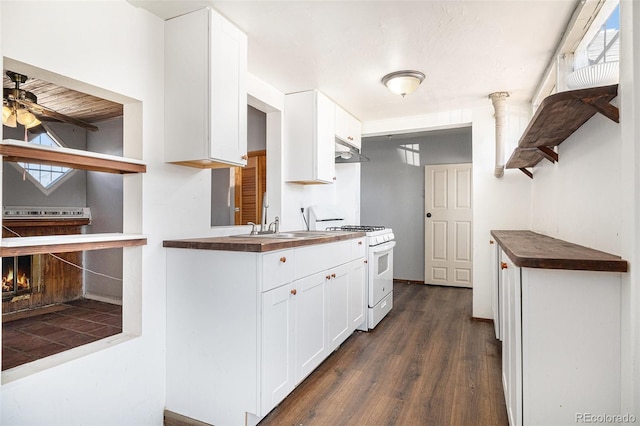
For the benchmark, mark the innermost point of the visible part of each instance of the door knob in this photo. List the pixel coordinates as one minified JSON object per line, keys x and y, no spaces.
{"x":428,"y":214}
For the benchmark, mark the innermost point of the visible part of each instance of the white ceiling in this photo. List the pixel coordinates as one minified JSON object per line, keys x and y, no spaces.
{"x":467,"y":48}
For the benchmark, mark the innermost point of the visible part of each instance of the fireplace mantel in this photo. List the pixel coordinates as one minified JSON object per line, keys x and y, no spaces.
{"x":44,"y":222}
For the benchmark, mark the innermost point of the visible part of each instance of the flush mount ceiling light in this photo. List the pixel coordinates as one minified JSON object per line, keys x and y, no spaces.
{"x":403,"y":82}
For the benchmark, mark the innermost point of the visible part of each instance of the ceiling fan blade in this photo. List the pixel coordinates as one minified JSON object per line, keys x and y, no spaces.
{"x":49,"y":113}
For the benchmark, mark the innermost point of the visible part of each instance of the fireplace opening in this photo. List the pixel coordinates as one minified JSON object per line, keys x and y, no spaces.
{"x":17,"y":276}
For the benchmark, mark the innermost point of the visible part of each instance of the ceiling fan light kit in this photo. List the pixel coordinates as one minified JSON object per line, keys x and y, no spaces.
{"x":403,"y":82}
{"x":20,"y":106}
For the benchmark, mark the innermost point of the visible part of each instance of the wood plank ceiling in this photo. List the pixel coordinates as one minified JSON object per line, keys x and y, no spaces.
{"x":69,"y":102}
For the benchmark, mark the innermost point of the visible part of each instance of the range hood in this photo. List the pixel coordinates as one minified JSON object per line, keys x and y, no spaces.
{"x":347,"y":154}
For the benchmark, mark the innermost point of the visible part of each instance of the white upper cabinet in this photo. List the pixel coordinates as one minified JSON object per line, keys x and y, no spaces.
{"x":348,"y":128}
{"x":205,"y":91}
{"x":309,"y":138}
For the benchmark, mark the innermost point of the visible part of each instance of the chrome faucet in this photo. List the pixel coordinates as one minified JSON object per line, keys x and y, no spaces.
{"x":276,"y":225}
{"x":272,"y":228}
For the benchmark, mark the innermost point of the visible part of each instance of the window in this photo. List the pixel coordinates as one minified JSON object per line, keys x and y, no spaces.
{"x":602,"y":41}
{"x":46,"y":178}
{"x":583,"y":46}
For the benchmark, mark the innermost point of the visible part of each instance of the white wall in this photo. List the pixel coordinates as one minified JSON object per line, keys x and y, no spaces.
{"x":105,"y":197}
{"x":630,"y":125}
{"x":114,"y":46}
{"x":578,"y":199}
{"x":499,"y":203}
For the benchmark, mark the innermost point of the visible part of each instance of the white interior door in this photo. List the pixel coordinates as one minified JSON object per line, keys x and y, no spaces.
{"x":448,"y":230}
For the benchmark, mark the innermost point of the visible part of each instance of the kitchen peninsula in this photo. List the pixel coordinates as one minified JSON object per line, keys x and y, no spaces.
{"x":250,"y":316}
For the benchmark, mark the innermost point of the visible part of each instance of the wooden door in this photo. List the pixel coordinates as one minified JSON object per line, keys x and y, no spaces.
{"x":448,"y":226}
{"x":250,"y":185}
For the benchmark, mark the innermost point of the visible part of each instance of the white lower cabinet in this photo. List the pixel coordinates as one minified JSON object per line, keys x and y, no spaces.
{"x":243,"y":329}
{"x":561,"y":337}
{"x":338,"y":289}
{"x":310,"y":324}
{"x":357,"y":294}
{"x":277,"y":367}
{"x":512,"y":341}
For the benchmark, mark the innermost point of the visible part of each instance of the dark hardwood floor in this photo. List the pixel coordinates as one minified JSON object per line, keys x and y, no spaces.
{"x":426,"y":363}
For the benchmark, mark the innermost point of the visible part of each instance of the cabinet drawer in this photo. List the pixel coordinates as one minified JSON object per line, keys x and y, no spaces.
{"x":312,"y":259}
{"x":277,"y":269}
{"x":358,"y":248}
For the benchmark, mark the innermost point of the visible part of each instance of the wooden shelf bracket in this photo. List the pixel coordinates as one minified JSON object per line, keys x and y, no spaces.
{"x":548,"y":153}
{"x":604,"y":107}
{"x":526,"y":172}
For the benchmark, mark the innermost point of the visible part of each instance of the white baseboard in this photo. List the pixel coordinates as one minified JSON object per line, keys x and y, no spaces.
{"x":101,"y":298}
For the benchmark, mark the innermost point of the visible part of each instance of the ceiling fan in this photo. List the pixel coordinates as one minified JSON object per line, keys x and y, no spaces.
{"x":21,"y":107}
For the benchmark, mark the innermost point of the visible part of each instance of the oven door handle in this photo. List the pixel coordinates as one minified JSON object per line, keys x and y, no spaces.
{"x":383,"y":247}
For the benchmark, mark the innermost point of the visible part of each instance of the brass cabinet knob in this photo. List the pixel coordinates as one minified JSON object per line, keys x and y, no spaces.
{"x":333,"y":275}
{"x":359,"y":243}
{"x":283,"y":259}
{"x":245,"y":157}
{"x":503,"y":265}
{"x":366,"y":261}
{"x":328,"y":277}
{"x":491,"y":241}
{"x":294,"y":291}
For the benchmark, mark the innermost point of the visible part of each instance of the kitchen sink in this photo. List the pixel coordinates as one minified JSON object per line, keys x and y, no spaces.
{"x":295,"y":234}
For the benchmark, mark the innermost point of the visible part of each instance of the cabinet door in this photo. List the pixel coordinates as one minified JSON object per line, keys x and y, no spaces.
{"x":348,"y":128}
{"x":228,"y":94}
{"x":495,"y":275}
{"x":325,"y":149}
{"x":512,"y":343}
{"x":309,"y":138}
{"x":355,"y":132}
{"x":310,"y":324}
{"x":277,"y":367}
{"x":338,"y":289}
{"x":205,"y":91}
{"x":357,"y":296}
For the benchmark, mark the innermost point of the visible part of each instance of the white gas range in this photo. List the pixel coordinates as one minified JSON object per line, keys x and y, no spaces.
{"x":379,"y":277}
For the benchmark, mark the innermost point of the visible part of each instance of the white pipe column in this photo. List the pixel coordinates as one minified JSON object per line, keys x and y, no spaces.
{"x":499,"y":100}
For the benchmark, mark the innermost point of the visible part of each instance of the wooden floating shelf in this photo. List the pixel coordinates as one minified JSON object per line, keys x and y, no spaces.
{"x":557,"y":117}
{"x":529,"y":249}
{"x":20,"y":246}
{"x":19,"y":151}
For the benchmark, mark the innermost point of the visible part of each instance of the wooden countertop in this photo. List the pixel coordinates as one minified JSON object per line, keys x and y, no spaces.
{"x":258,"y":244}
{"x":528,"y":249}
